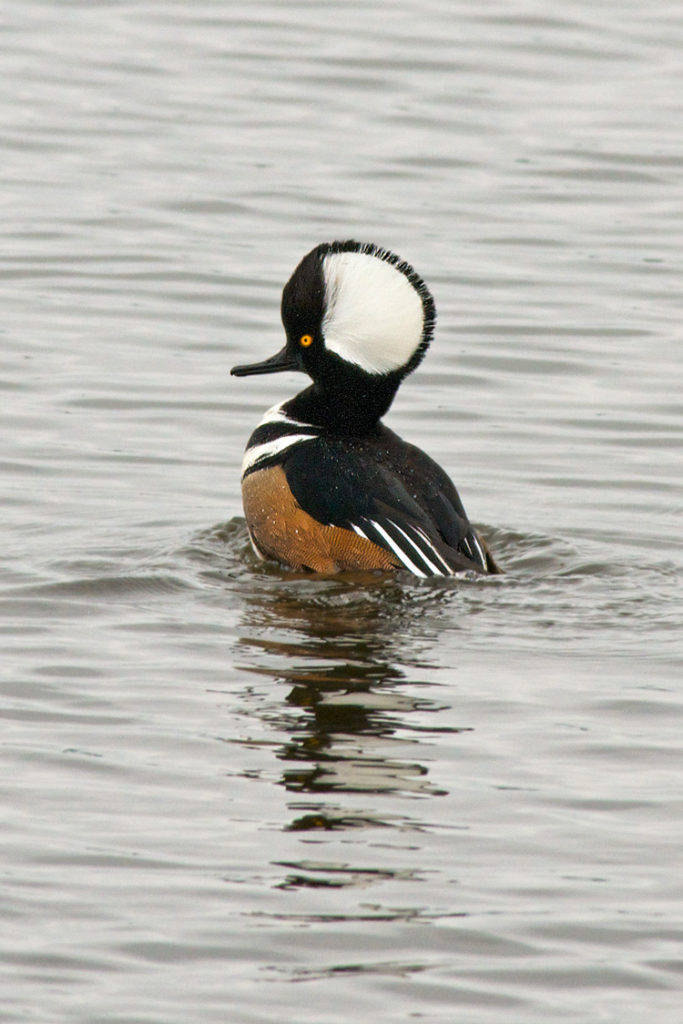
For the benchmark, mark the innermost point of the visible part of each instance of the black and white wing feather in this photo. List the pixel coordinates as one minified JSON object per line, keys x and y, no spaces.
{"x":411,"y":545}
{"x":392,"y":494}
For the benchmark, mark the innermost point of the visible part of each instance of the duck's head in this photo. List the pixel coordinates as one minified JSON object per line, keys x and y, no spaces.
{"x":358,"y":319}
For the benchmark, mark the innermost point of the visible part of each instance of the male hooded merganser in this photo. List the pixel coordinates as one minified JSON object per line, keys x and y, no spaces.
{"x":325,"y":485}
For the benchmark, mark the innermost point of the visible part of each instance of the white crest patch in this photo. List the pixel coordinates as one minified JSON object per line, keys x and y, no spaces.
{"x":374,"y":316}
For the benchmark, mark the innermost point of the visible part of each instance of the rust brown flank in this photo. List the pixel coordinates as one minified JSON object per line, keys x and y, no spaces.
{"x":283,"y":531}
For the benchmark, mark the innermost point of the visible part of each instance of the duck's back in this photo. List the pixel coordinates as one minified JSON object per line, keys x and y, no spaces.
{"x":378,"y":501}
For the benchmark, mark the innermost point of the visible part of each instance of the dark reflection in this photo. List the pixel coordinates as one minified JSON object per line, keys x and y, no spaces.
{"x":348,"y":648}
{"x":313,"y":876}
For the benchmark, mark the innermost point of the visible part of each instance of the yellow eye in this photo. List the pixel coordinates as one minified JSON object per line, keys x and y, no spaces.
{"x":305,"y":340}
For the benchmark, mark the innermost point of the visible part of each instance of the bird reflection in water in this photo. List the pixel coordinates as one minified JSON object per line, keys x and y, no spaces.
{"x":355,"y":721}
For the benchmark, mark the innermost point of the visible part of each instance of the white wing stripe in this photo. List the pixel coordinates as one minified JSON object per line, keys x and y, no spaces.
{"x":435,"y":570}
{"x":449,"y":569}
{"x":420,"y":531}
{"x":397,"y":551}
{"x":480,"y":551}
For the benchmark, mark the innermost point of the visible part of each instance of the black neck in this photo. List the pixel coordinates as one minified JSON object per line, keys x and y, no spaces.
{"x":351,"y":405}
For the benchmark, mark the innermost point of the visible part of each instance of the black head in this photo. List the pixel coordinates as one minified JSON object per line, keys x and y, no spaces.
{"x":358,"y":319}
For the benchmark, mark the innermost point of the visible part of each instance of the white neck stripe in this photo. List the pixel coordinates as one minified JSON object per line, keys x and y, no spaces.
{"x":268,"y":449}
{"x":277,"y":415}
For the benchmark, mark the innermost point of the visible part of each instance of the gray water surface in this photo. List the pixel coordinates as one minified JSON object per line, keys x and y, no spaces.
{"x":234,"y":793}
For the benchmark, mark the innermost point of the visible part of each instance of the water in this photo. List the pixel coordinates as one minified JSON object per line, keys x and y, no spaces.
{"x":236,"y":793}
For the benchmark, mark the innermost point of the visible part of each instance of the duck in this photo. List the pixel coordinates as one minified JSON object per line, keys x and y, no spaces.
{"x":326,"y":486}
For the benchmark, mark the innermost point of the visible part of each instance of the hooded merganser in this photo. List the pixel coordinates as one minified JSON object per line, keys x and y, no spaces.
{"x":325,"y":485}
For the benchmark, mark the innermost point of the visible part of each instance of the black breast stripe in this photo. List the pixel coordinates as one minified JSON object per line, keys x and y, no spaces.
{"x":275,"y":434}
{"x":267,"y":432}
